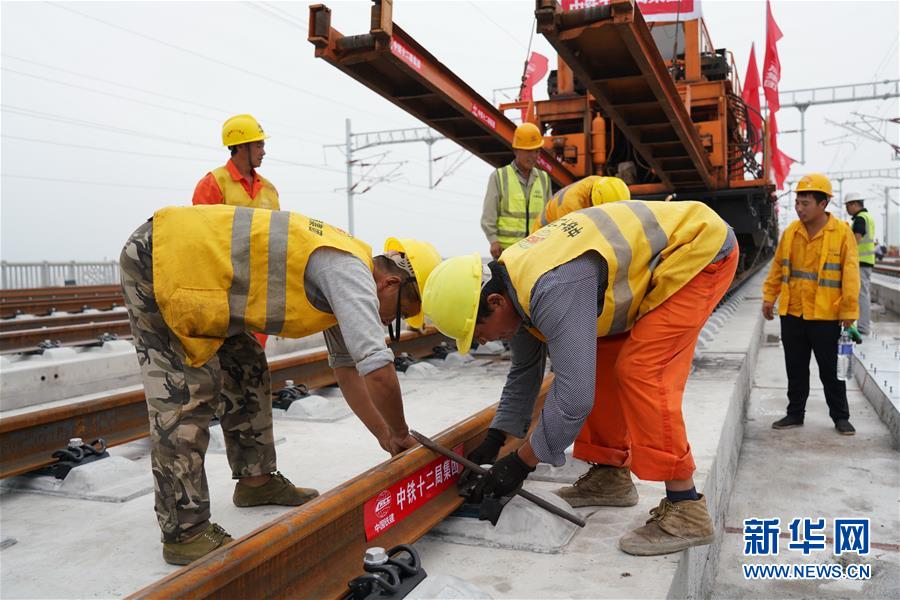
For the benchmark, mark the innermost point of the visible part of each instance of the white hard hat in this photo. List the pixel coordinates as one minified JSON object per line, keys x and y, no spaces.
{"x":853,"y":197}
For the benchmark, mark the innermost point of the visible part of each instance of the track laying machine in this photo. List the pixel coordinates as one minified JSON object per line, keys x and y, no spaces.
{"x":653,"y":103}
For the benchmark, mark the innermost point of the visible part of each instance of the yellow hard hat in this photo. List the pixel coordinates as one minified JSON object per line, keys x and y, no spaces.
{"x":423,"y":257}
{"x":451,"y":298}
{"x":242,"y":129}
{"x":527,"y":137}
{"x":609,"y":189}
{"x":814,"y":182}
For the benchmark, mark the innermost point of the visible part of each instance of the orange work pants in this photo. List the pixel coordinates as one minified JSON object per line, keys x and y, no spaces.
{"x":636,"y":420}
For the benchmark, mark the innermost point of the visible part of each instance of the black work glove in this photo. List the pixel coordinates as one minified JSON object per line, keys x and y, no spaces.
{"x":506,"y":476}
{"x":486,"y":452}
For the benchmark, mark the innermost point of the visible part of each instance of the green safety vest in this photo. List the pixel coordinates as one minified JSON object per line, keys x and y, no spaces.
{"x":515,"y":213}
{"x":866,"y":245}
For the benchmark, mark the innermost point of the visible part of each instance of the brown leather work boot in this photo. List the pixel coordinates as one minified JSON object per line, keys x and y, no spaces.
{"x":278,"y":490}
{"x":602,"y":485}
{"x":184,"y":553}
{"x":672,"y":527}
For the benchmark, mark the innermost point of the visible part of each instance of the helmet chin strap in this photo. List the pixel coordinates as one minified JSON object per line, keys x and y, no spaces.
{"x":394,"y":328}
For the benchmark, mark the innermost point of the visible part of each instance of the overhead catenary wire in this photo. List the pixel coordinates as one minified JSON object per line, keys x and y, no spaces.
{"x":21,"y":111}
{"x":219,"y":110}
{"x":248,"y":72}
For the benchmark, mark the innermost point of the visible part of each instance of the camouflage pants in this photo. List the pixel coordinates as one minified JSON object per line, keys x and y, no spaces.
{"x":181,"y":400}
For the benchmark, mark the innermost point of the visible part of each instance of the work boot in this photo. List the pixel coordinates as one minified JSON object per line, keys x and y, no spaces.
{"x":602,"y":485}
{"x":278,"y":490}
{"x":184,"y":553}
{"x":844,"y":427}
{"x":788,"y":422}
{"x":673,"y":526}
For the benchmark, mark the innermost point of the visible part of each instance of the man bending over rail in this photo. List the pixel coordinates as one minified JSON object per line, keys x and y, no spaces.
{"x":198,"y":282}
{"x":644,"y":276}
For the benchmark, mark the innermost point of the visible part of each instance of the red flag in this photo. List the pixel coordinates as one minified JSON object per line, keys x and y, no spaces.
{"x":771,"y":64}
{"x":781,"y":162}
{"x":534,"y":71}
{"x":750,"y":94}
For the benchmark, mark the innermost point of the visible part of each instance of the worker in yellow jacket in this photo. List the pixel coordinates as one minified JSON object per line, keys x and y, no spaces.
{"x":815,"y":280}
{"x":654,"y":269}
{"x":198,"y":281}
{"x":593,"y":190}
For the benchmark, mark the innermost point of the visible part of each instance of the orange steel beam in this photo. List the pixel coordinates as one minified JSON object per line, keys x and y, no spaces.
{"x":28,"y":440}
{"x":612,"y":53}
{"x":314,"y":550}
{"x":390,"y":62}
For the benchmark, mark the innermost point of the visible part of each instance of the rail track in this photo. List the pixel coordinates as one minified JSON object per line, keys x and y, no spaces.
{"x":891,"y":270}
{"x":28,"y":439}
{"x":79,"y":334}
{"x":276,"y":560}
{"x":44,"y":301}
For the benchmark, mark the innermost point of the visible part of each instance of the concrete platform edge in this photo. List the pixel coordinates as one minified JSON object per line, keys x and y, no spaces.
{"x":883,"y":406}
{"x":696,"y":571}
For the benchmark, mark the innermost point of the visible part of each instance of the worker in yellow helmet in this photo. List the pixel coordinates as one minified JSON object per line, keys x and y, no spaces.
{"x":516,"y":193}
{"x":237,"y":183}
{"x":590,"y":191}
{"x":198,"y":281}
{"x":654,"y":269}
{"x":815,"y":280}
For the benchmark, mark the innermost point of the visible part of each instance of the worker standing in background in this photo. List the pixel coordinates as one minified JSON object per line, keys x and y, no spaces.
{"x":197,"y":280}
{"x":237,"y":183}
{"x":654,"y":269}
{"x":815,"y":279}
{"x":516,"y":193}
{"x":593,"y":190}
{"x":864,"y":231}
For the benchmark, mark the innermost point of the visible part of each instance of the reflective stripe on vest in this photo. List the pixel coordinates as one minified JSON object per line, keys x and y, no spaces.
{"x":222,"y":270}
{"x":866,"y":245}
{"x":633,"y":237}
{"x":234,"y":194}
{"x":515,"y":214}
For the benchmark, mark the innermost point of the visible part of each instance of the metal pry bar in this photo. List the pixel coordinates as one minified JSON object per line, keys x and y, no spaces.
{"x":428,"y":443}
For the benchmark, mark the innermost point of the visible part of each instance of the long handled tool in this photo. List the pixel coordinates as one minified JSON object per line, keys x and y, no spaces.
{"x":428,"y":443}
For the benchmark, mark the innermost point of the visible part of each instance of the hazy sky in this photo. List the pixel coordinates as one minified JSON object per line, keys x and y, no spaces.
{"x":111,"y":110}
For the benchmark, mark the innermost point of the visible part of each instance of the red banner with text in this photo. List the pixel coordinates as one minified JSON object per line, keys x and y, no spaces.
{"x":390,"y":506}
{"x":652,"y":10}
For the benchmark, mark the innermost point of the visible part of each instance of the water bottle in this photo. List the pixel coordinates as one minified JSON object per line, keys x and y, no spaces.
{"x":844,"y":356}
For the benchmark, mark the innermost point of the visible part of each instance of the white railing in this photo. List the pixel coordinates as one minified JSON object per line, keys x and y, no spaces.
{"x":50,"y":274}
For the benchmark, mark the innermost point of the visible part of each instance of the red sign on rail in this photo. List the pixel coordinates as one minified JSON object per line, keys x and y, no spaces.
{"x":404,"y":53}
{"x":390,"y":506}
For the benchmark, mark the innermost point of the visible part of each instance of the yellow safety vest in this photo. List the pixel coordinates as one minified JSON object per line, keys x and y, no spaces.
{"x":234,"y":194}
{"x":574,"y":196}
{"x":866,"y":245}
{"x":830,"y":281}
{"x":515,"y":214}
{"x":220,"y":270}
{"x":652,"y":249}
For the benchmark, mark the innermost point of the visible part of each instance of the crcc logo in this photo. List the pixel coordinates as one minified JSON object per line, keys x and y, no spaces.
{"x":383,"y":504}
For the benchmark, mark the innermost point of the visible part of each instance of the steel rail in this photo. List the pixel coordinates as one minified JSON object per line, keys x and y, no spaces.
{"x":28,"y":440}
{"x":890,"y":271}
{"x":314,"y":550}
{"x":7,"y":325}
{"x":25,"y":340}
{"x":50,"y":305}
{"x":81,"y":291}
